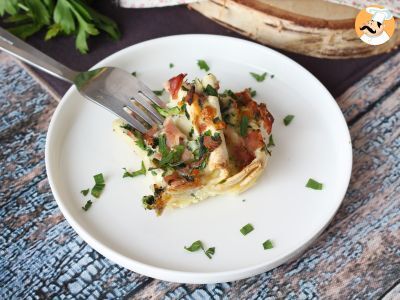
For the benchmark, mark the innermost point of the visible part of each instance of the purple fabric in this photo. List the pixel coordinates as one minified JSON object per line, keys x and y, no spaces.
{"x":139,"y":25}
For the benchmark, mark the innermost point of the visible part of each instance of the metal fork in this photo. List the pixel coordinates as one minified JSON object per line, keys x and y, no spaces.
{"x":112,"y":88}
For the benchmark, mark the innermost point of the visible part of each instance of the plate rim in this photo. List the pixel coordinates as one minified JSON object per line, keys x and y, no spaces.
{"x":189,"y":276}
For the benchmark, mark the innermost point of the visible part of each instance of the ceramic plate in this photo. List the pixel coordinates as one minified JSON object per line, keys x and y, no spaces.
{"x":81,"y":143}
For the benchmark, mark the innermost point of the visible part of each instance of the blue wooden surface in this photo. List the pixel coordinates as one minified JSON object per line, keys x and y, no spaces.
{"x":357,"y":257}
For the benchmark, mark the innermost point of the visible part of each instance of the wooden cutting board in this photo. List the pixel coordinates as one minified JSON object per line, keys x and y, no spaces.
{"x":311,"y":27}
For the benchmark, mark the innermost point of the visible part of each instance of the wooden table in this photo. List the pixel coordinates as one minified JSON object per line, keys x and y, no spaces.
{"x":357,"y":256}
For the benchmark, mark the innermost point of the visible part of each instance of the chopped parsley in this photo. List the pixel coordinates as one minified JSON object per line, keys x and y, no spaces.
{"x":271,"y":142}
{"x":142,"y":171}
{"x":258,"y":77}
{"x":171,"y":65}
{"x":198,"y":245}
{"x":159,"y":93}
{"x":85,"y":192}
{"x":99,"y":185}
{"x":244,"y":122}
{"x":87,"y":205}
{"x":230,"y":94}
{"x":313,"y":184}
{"x":268,"y":245}
{"x":210,"y":91}
{"x":210,"y":252}
{"x":165,"y":112}
{"x":162,"y":145}
{"x":173,"y":157}
{"x":288,"y":119}
{"x":134,"y":73}
{"x":246,"y":229}
{"x":253,"y":93}
{"x":203,"y":65}
{"x":183,"y":108}
{"x":191,"y":132}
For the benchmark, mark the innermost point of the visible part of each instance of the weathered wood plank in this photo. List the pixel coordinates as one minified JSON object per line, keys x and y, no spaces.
{"x":372,"y":88}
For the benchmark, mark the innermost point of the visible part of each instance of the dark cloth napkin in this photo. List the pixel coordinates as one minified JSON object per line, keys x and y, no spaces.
{"x":139,"y":25}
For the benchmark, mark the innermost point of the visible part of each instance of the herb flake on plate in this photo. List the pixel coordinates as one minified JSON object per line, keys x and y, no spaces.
{"x":288,"y":119}
{"x":258,"y":77}
{"x":203,"y":65}
{"x":99,"y":185}
{"x":85,"y":192}
{"x":165,"y":112}
{"x":87,"y":205}
{"x":313,"y":184}
{"x":246,"y":229}
{"x":271,"y":142}
{"x":171,"y":65}
{"x":141,"y":171}
{"x":268,"y":245}
{"x":198,"y":245}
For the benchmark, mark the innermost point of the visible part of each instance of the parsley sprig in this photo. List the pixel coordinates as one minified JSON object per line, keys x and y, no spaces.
{"x":59,"y":17}
{"x":198,"y":245}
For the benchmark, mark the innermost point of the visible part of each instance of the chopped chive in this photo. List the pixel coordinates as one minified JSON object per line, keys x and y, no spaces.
{"x":171,"y":65}
{"x":268,"y":245}
{"x":142,"y":171}
{"x":253,"y":93}
{"x":288,"y":119}
{"x":313,"y":184}
{"x":222,"y":181}
{"x":243,"y":125}
{"x":258,"y":77}
{"x":154,"y":173}
{"x":271,"y":142}
{"x":159,"y":93}
{"x":203,"y":65}
{"x":210,"y":91}
{"x":246,"y":229}
{"x":85,"y":192}
{"x":88,"y":204}
{"x":99,"y":185}
{"x":134,"y":73}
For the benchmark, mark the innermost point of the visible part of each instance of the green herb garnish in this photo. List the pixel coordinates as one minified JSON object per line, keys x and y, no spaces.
{"x":258,"y":77}
{"x":244,"y":125}
{"x":209,"y":90}
{"x":159,"y":92}
{"x":288,"y":119}
{"x":313,"y":184}
{"x":191,"y":132}
{"x":154,"y":173}
{"x":271,"y":142}
{"x":162,"y":145}
{"x":210,"y":252}
{"x":230,"y":94}
{"x":171,"y":65}
{"x":198,"y":245}
{"x":222,"y":181}
{"x":253,"y":93}
{"x":268,"y":245}
{"x":85,"y":192}
{"x":203,"y":65}
{"x":60,"y":18}
{"x":88,"y":204}
{"x":246,"y":229}
{"x":99,"y":185}
{"x":165,"y":112}
{"x":134,"y":73}
{"x":142,"y":171}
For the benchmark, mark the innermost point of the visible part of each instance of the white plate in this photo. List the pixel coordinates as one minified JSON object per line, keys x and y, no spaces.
{"x":80,"y":143}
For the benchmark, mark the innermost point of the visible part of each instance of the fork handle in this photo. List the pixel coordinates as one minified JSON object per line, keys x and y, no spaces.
{"x":25,"y":52}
